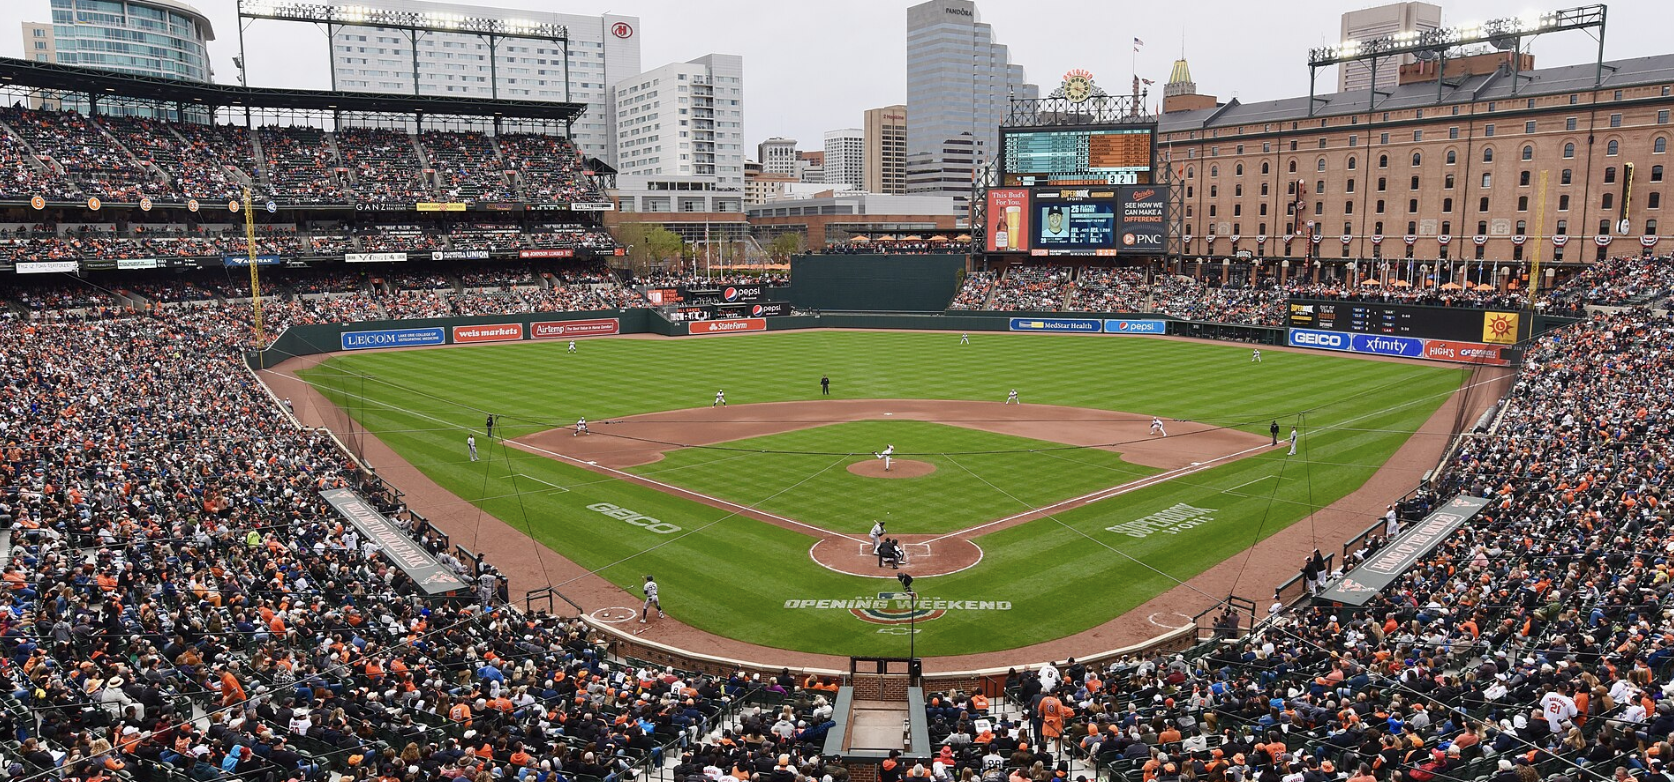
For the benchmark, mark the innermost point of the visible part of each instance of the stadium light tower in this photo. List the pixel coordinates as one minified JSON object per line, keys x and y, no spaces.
{"x":1505,"y":34}
{"x":413,"y":23}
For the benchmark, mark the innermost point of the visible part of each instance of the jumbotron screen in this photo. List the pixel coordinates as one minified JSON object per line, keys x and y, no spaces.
{"x":1038,"y":157}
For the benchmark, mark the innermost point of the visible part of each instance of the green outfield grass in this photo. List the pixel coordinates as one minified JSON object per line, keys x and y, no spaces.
{"x":1054,"y":576}
{"x":993,"y":475}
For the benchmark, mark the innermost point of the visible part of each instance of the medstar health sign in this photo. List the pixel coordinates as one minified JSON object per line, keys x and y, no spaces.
{"x":898,"y":608}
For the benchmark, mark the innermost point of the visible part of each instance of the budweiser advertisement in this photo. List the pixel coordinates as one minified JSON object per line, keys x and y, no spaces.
{"x":556,"y":329}
{"x":489,"y":332}
{"x":727,"y":326}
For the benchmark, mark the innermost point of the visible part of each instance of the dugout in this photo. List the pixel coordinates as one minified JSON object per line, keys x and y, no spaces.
{"x":875,"y":283}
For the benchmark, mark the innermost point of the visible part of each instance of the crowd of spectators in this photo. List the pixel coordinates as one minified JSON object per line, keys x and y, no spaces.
{"x":467,"y":167}
{"x":194,"y":157}
{"x":76,"y":148}
{"x":548,"y":168}
{"x":301,"y":166}
{"x":384,"y":166}
{"x":1617,"y":282}
{"x":1109,"y":290}
{"x":973,"y":291}
{"x":1031,"y":288}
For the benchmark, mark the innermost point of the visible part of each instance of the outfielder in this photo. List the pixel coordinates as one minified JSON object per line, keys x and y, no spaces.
{"x":1157,"y":426}
{"x":651,"y":600}
{"x":1012,"y":397}
{"x":720,"y":398}
{"x":885,"y":455}
{"x":572,"y":346}
{"x":877,"y":535}
{"x":1293,"y":441}
{"x":581,"y":427}
{"x":964,"y":338}
{"x":1255,"y":356}
{"x":471,"y":445}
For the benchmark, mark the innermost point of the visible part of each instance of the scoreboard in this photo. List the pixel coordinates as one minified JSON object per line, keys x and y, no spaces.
{"x":1087,"y":156}
{"x":1406,"y":320}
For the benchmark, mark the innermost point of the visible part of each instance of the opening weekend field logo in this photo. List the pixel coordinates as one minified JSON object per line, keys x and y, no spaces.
{"x":1172,"y":520}
{"x":898,"y":608}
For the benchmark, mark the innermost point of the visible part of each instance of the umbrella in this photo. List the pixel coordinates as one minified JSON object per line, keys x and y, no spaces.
{"x":887,"y":238}
{"x":962,"y":238}
{"x":1371,"y":282}
{"x":859,"y":239}
{"x":1451,"y":286}
{"x":1400,"y":284}
{"x":938,"y":238}
{"x":912,"y":238}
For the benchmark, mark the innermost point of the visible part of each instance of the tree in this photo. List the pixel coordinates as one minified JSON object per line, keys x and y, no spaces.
{"x":649,"y":245}
{"x":785,"y":245}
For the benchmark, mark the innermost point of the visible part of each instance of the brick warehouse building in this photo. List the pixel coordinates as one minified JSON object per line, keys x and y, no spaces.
{"x":1432,"y":171}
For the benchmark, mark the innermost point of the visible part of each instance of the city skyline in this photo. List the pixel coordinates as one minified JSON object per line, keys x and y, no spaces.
{"x":1047,"y":38}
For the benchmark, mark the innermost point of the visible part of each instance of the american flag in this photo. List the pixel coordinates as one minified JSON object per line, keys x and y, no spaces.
{"x":1137,"y":43}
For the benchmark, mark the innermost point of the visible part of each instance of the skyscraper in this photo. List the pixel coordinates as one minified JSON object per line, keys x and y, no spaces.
{"x":959,"y":83}
{"x":684,"y":119}
{"x":777,"y":155}
{"x":845,"y":154}
{"x":602,"y":50}
{"x":885,"y":136}
{"x":161,"y":38}
{"x":1377,"y":22}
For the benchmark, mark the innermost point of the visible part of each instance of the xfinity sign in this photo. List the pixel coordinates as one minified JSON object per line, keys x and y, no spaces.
{"x":1324,"y":340}
{"x":1387,"y":346}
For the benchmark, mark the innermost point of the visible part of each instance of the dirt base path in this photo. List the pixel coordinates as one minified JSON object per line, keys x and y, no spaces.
{"x":530,"y":565}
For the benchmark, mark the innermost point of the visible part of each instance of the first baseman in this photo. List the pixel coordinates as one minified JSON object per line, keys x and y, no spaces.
{"x":1157,"y":426}
{"x":581,"y":427}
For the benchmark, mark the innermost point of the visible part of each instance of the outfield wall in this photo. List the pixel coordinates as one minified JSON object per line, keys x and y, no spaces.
{"x":875,"y":283}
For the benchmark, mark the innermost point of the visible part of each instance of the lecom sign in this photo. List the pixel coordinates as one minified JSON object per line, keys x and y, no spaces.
{"x":727,"y":326}
{"x":574,"y":328}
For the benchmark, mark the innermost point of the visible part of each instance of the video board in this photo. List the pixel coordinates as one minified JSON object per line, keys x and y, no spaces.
{"x":1405,"y":320}
{"x":1074,"y":222}
{"x":1036,"y":157}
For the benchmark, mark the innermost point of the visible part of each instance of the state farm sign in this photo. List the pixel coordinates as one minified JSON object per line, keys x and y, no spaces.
{"x":492,"y":332}
{"x":727,"y":326}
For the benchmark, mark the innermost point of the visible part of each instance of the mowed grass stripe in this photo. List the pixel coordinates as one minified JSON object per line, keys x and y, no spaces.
{"x":735,"y":576}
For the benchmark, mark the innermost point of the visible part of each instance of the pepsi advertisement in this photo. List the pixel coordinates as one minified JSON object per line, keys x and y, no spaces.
{"x":760,"y":309}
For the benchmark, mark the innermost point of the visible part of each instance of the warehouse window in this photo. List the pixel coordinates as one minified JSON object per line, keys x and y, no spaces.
{"x":1569,"y":150}
{"x":1522,"y":203}
{"x":1528,"y":152}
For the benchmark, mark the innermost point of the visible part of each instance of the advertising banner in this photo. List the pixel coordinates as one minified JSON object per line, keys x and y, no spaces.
{"x":136,"y":263}
{"x":557,"y":329}
{"x":1136,"y":327}
{"x":563,"y":253}
{"x":1078,"y":325}
{"x":1141,"y":219}
{"x":46,"y":267}
{"x":727,"y":326}
{"x":1008,"y":220}
{"x":1465,"y":352}
{"x":244,"y":260}
{"x":459,"y":255}
{"x":690,"y":312}
{"x":425,"y":206}
{"x":1388,"y":563}
{"x":374,"y":257}
{"x":592,"y":206}
{"x":1313,"y":338}
{"x":1500,"y":328}
{"x":393,"y":338}
{"x":490,"y":332}
{"x":431,"y":576}
{"x":770,"y":309}
{"x":1379,"y":345}
{"x":732,"y":294}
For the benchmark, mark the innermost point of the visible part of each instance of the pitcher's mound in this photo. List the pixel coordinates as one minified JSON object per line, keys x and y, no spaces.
{"x":898,"y":468}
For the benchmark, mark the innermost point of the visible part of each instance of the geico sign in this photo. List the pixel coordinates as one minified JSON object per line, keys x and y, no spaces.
{"x":633,"y":517}
{"x":1318,"y":340}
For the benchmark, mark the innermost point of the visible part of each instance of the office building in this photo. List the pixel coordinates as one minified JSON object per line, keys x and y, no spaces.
{"x":845,"y":153}
{"x":159,"y":38}
{"x":960,"y":83}
{"x":884,"y":168}
{"x":777,"y":156}
{"x":837,"y":217}
{"x":1376,"y":22}
{"x":810,"y":167}
{"x":601,"y":51}
{"x":685,"y":119}
{"x":949,"y":170}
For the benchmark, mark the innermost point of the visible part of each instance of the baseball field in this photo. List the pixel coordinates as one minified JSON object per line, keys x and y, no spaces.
{"x":1022,"y":523}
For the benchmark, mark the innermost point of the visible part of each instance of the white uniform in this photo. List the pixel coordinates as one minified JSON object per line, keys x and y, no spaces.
{"x":1157,"y":426}
{"x":885,"y":455}
{"x":1293,"y":441}
{"x":1012,"y":397}
{"x":572,"y":346}
{"x":1391,"y":523}
{"x":964,"y":339}
{"x":1255,"y":355}
{"x":650,"y":600}
{"x":720,"y":399}
{"x":581,"y":426}
{"x":471,"y":445}
{"x":877,"y":536}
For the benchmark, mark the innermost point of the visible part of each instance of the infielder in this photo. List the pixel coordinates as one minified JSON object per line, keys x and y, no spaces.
{"x":1157,"y":426}
{"x":471,"y":445}
{"x":720,"y":398}
{"x":1255,"y":356}
{"x":572,"y":346}
{"x":1012,"y":397}
{"x":651,"y":600}
{"x":877,"y":536}
{"x":964,"y":338}
{"x":1293,"y":441}
{"x":885,"y":455}
{"x":581,"y":427}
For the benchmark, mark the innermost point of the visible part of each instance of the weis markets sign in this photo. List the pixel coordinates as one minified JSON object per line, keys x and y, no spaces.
{"x":431,"y":576}
{"x":393,"y":338}
{"x":491,"y":332}
{"x":1389,"y":562}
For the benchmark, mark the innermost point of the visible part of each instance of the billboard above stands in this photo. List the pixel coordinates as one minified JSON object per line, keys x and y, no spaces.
{"x":374,"y":257}
{"x":136,"y":263}
{"x":1074,"y":325}
{"x":1142,"y":220}
{"x":47,"y":267}
{"x":488,"y":332}
{"x":1136,"y":327}
{"x":592,"y":206}
{"x":558,"y":329}
{"x":556,"y":253}
{"x":1008,"y":220}
{"x":1388,"y":563}
{"x":727,"y":326}
{"x":392,"y":338}
{"x":459,"y":255}
{"x":244,"y":260}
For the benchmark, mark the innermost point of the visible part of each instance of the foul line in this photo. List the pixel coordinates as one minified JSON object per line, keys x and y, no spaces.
{"x":1104,"y":494}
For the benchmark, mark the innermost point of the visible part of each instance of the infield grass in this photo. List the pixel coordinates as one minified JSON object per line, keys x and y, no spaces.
{"x":735,"y":577}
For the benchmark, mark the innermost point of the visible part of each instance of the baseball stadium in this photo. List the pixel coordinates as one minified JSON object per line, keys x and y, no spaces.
{"x":361,"y":436}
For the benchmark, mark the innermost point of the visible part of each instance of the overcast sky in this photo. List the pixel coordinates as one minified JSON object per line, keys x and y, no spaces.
{"x":814,"y":66}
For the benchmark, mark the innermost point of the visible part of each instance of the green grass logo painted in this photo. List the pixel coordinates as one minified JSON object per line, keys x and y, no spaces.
{"x":898,"y":608}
